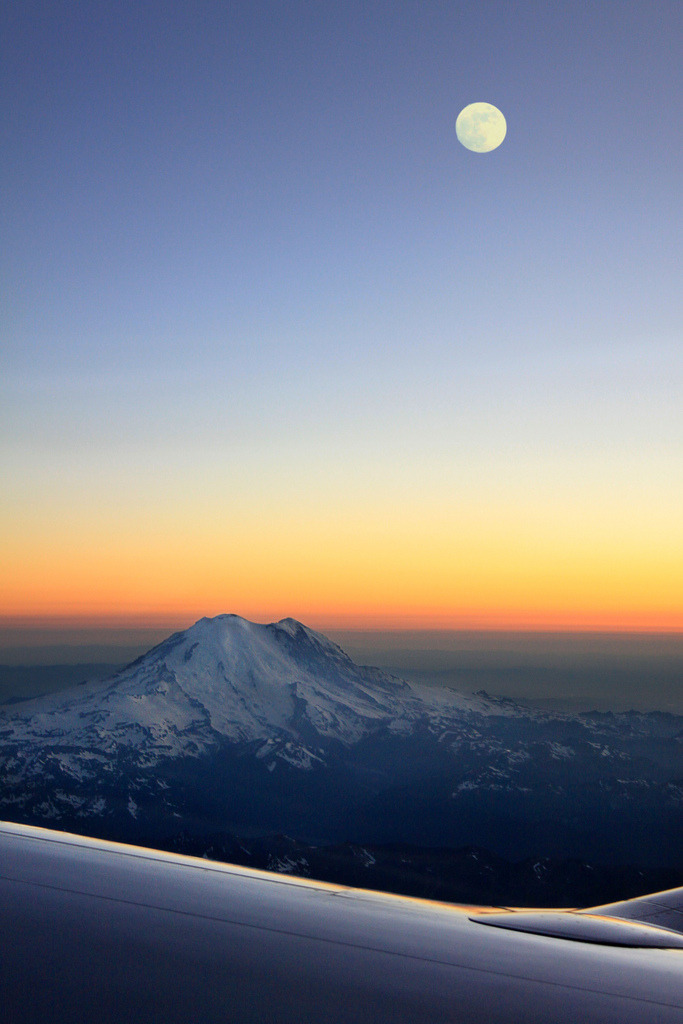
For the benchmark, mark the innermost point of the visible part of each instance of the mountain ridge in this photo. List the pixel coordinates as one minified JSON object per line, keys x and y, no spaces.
{"x":232,"y":725}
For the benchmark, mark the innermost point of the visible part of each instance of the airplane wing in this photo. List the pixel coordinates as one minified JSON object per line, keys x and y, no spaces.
{"x":664,"y":909}
{"x":94,"y":931}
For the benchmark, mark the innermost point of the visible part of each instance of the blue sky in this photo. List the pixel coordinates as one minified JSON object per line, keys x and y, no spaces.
{"x":240,"y":240}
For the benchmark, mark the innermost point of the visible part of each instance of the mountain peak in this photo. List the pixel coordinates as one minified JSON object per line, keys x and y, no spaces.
{"x":238,"y":623}
{"x":291,"y":625}
{"x":234,"y":632}
{"x":251,"y":680}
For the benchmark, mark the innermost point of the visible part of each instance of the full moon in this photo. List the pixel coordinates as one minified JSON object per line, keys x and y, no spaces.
{"x":480,"y":127}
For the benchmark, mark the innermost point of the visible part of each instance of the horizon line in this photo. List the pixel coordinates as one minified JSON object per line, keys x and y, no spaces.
{"x":349,"y":623}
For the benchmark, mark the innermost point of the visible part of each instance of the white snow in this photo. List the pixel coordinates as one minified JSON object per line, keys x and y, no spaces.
{"x":230,"y":679}
{"x":560,"y":752}
{"x":223,"y":677}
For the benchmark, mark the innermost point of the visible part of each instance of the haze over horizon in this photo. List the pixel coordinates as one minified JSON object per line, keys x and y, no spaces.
{"x":273,"y":341}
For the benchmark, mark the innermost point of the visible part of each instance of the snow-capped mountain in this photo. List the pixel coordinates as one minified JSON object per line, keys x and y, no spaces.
{"x":235,"y":725}
{"x":230,"y":679}
{"x":224,"y":678}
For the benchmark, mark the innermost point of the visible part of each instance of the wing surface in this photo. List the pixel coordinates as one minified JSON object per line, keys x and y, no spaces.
{"x":98,"y":931}
{"x":663,"y":909}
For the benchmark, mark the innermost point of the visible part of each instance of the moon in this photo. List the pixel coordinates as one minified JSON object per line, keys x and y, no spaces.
{"x":480,"y":127}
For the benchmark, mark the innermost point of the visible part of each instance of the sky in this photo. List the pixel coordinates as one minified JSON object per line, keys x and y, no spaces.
{"x":273,"y":342}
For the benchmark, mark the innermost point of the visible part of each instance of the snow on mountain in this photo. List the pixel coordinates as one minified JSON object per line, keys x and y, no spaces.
{"x":233,"y":724}
{"x":281,"y":687}
{"x":228,"y":679}
{"x":224,"y":677}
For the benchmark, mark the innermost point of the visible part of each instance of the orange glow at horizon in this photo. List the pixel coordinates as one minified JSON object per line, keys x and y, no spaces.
{"x":417,"y":620}
{"x":364,"y":575}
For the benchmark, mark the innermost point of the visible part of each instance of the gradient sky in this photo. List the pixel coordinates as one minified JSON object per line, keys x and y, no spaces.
{"x":273,"y":342}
